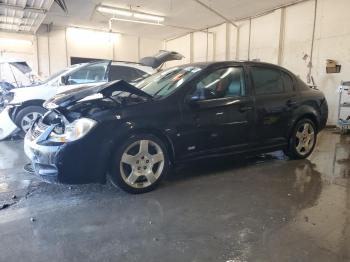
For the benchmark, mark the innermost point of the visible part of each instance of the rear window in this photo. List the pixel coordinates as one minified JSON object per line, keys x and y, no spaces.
{"x":267,"y":81}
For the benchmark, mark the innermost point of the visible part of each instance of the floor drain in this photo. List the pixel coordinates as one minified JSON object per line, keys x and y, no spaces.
{"x":29,"y":168}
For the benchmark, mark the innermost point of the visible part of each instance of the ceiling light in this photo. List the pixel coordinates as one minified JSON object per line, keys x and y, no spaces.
{"x":136,"y":21}
{"x":12,"y":41}
{"x":113,"y":11}
{"x":149,"y":17}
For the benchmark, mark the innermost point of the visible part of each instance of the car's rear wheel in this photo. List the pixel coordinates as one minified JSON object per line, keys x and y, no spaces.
{"x":139,"y":164}
{"x":302,"y":140}
{"x":25,"y":118}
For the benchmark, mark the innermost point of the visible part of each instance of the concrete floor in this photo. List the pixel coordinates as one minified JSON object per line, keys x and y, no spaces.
{"x":265,"y":208}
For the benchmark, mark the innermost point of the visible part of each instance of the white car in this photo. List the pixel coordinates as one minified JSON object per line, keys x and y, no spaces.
{"x":24,"y":105}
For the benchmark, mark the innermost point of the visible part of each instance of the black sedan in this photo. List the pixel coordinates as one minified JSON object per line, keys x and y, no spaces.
{"x":134,"y":133}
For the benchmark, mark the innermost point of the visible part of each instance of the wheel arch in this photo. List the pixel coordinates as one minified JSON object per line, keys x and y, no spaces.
{"x":34,"y":102}
{"x":160,"y":135}
{"x":307,"y":112}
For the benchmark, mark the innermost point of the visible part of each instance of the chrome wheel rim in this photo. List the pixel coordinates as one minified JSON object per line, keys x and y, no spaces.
{"x":28,"y":120}
{"x":142,"y":163}
{"x":305,"y":139}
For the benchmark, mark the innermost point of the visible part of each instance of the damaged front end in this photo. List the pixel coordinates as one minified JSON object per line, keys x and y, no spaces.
{"x":50,"y":145}
{"x":72,"y":142}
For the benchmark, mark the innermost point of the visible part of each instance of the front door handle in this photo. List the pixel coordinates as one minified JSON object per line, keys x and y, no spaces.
{"x":291,"y":103}
{"x":245,"y":108}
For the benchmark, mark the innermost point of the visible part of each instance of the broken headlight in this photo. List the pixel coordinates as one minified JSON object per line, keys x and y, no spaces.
{"x":73,"y":131}
{"x":7,"y":97}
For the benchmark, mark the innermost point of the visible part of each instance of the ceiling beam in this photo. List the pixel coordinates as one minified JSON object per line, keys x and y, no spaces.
{"x":215,"y":12}
{"x":31,"y":9}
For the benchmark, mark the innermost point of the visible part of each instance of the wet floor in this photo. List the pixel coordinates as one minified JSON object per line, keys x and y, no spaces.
{"x":265,"y":208}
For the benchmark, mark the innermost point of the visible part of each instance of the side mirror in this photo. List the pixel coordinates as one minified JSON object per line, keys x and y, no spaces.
{"x":63,"y":81}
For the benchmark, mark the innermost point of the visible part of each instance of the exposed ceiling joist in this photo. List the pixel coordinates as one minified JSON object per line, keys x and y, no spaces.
{"x":215,"y":12}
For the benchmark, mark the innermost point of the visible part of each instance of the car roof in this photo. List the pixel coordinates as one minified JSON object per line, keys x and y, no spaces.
{"x":237,"y":62}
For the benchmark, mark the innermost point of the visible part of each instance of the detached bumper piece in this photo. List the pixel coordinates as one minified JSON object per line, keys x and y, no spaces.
{"x":43,"y":159}
{"x":7,"y":127}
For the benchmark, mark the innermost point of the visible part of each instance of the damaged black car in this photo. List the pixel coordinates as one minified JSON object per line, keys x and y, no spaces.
{"x":133,"y":134}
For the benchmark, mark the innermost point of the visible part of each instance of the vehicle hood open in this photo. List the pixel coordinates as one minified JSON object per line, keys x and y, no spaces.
{"x":70,"y":97}
{"x":160,"y":58}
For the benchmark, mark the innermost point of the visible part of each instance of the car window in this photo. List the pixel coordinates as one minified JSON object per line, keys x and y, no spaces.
{"x":287,"y":82}
{"x":168,"y":81}
{"x":89,"y":74}
{"x":267,"y":81}
{"x":129,"y":74}
{"x":225,"y":82}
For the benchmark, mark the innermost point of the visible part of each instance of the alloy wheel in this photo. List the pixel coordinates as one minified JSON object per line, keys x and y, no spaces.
{"x":305,"y":139}
{"x":28,"y":120}
{"x":142,"y":163}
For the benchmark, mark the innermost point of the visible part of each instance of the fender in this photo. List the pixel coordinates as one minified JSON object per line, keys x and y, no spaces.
{"x":129,"y":128}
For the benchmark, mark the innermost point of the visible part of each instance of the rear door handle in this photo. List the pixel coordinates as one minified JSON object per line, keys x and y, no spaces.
{"x":245,"y":108}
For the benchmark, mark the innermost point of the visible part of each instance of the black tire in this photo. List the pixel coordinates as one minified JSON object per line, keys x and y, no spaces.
{"x":116,"y":176}
{"x":25,"y":111}
{"x":293,"y":141}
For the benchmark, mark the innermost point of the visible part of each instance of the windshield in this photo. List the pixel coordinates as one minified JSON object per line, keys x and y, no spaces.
{"x":166,"y":82}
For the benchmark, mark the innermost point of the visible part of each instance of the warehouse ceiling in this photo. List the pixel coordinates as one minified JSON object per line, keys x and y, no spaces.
{"x":23,"y":15}
{"x":181,"y":16}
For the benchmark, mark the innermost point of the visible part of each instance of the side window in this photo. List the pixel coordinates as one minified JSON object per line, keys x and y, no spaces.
{"x":89,"y":74}
{"x":129,"y":74}
{"x":287,"y":82}
{"x":267,"y":81}
{"x":225,"y":82}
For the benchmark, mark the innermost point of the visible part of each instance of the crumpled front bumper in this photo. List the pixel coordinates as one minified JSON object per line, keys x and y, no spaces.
{"x":7,"y":127}
{"x":43,"y":158}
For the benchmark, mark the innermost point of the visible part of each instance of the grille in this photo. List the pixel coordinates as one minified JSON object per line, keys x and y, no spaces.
{"x":36,"y":133}
{"x":38,"y":129}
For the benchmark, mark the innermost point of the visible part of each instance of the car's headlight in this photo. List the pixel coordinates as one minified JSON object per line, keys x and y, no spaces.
{"x":74,"y":130}
{"x":8,"y":97}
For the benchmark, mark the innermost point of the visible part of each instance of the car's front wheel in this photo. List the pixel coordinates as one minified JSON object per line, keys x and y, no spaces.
{"x":25,"y":118}
{"x":139,"y":164}
{"x":302,"y":140}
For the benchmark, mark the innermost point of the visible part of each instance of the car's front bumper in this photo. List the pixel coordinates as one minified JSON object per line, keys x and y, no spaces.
{"x":43,"y":159}
{"x":79,"y":162}
{"x":7,"y":127}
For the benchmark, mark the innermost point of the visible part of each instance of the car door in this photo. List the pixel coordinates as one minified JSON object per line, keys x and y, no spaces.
{"x":89,"y":75}
{"x":217,"y":114}
{"x":275,"y":101}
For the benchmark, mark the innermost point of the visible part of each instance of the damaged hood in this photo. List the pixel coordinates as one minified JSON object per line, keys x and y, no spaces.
{"x":70,"y":97}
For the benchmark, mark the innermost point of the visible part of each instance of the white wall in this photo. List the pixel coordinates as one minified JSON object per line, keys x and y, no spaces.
{"x":51,"y":51}
{"x":284,"y":37}
{"x":264,"y":37}
{"x":181,"y":45}
{"x":203,"y":46}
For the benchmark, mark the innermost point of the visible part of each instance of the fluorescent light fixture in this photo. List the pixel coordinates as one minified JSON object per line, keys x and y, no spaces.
{"x":137,"y":21}
{"x":113,"y":11}
{"x":12,"y":41}
{"x":139,"y":17}
{"x":149,"y":17}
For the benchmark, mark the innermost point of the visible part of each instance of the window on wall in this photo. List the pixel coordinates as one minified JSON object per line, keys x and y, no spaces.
{"x":126,"y":73}
{"x":267,"y":81}
{"x":225,"y":82}
{"x":79,"y":60}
